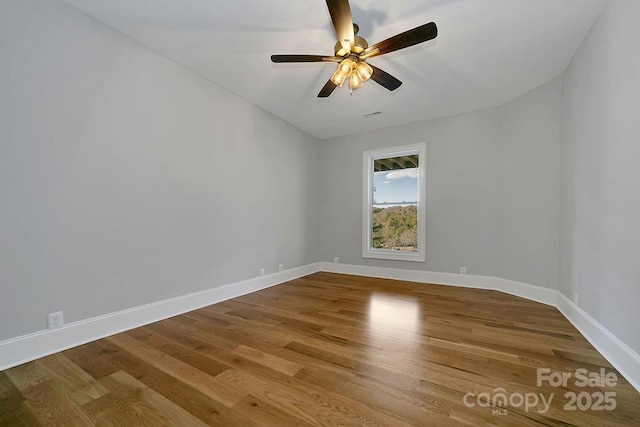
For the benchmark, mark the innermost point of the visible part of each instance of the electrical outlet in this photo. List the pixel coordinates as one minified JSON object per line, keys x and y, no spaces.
{"x":280,"y":267}
{"x":336,"y":260}
{"x":262,"y":272}
{"x":463,"y":270}
{"x":55,"y":320}
{"x":575,"y":298}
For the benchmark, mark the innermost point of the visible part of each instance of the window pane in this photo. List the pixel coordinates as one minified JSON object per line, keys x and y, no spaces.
{"x":394,"y":216}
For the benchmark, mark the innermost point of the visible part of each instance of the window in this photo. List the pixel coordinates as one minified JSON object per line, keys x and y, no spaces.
{"x":393,"y":210}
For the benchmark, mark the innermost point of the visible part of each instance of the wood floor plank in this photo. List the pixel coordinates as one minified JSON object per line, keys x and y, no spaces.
{"x":193,"y":401}
{"x":190,"y":357}
{"x":265,"y":414}
{"x":81,"y":386}
{"x":308,"y":403}
{"x":400,"y":404}
{"x":325,"y":349}
{"x":123,"y":407}
{"x":13,"y":411}
{"x":52,"y":405}
{"x":28,"y":375}
{"x":273,"y":362}
{"x":181,"y":371}
{"x":88,"y":358}
{"x":147,"y":407}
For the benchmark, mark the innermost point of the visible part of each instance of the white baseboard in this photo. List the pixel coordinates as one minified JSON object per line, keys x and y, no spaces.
{"x":620,"y":355}
{"x":536,"y":293}
{"x":16,"y":351}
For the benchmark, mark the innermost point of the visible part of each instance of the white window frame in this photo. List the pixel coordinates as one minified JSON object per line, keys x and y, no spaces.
{"x":368,"y":158}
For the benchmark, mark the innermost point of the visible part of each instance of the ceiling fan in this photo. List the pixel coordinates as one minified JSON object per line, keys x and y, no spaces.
{"x":352,"y":51}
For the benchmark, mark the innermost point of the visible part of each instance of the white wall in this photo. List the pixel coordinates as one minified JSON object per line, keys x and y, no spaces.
{"x":601,"y":173}
{"x":126,"y":179}
{"x":493,"y":194}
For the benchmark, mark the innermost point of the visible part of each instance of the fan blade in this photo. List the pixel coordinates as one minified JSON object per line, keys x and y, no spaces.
{"x":342,"y":22}
{"x":385,"y":79}
{"x":304,"y":58}
{"x":411,"y":37}
{"x":327,"y":89}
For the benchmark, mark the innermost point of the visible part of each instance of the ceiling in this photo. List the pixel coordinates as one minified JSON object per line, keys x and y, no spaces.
{"x":487,"y":52}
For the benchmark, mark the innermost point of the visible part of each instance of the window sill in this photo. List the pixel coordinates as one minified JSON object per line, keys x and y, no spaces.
{"x":395,"y":256}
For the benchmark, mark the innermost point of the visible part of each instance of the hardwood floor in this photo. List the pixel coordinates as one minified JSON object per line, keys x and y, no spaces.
{"x":329,"y":349}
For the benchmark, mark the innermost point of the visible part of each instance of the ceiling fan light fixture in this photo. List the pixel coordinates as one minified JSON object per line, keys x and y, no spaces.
{"x":352,"y":51}
{"x":338,"y":78}
{"x":355,"y":81}
{"x":345,"y":69}
{"x":364,"y":71}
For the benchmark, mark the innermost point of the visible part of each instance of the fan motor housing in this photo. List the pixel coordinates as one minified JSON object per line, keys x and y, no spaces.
{"x":358,"y":47}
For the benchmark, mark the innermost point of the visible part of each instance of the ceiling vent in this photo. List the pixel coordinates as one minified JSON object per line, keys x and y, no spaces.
{"x":375,"y":113}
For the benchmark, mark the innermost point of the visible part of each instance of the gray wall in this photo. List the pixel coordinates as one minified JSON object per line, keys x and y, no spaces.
{"x":493,"y":196}
{"x":127,"y":179}
{"x":601,"y":173}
